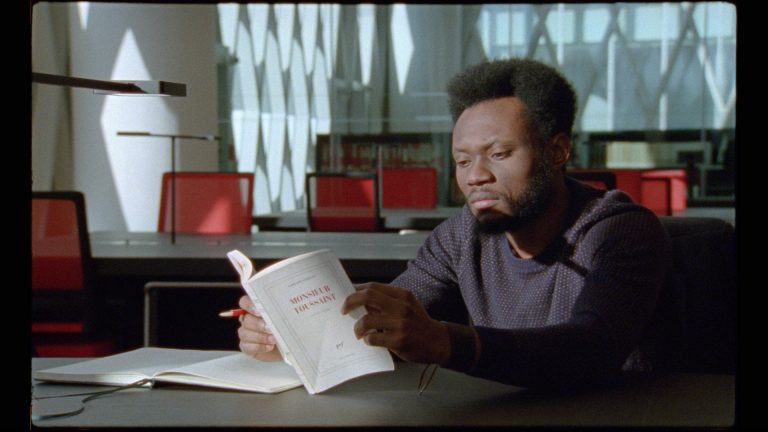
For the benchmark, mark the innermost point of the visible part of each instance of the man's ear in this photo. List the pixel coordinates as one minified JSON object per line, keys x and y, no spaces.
{"x":560,"y":149}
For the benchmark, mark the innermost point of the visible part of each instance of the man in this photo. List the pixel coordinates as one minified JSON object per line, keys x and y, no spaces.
{"x":557,"y":280}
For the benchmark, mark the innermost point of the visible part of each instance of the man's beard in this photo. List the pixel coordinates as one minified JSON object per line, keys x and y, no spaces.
{"x":528,"y":206}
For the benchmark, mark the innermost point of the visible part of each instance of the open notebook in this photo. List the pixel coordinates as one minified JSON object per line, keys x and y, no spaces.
{"x":223,"y":369}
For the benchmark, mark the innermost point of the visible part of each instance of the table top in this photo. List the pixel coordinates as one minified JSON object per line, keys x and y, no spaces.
{"x":391,"y":400}
{"x":427,"y":219}
{"x":367,"y":256}
{"x":261,"y":245}
{"x":727,"y":214}
{"x":394,"y":218}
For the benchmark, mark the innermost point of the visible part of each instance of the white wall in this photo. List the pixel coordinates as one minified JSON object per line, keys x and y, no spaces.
{"x":120,"y":176}
{"x":51,"y":147}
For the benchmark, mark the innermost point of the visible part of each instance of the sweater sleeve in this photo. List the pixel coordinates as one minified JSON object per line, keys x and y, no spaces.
{"x":626,"y":270}
{"x":432,"y":277}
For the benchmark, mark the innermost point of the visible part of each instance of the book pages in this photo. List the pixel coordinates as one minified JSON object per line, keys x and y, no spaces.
{"x":302,"y":297}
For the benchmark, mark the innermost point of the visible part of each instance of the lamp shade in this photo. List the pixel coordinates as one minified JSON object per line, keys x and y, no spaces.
{"x":133,"y":88}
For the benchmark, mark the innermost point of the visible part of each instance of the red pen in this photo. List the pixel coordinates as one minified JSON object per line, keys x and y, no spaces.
{"x":234,"y":313}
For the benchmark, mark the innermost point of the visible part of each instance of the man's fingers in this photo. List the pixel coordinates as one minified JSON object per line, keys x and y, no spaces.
{"x":384,"y":339}
{"x":250,"y":336}
{"x":355,"y":300}
{"x":258,"y":352}
{"x":390,"y":290}
{"x":255,"y":323}
{"x":246,"y":304}
{"x":255,"y":348}
{"x":375,"y":323}
{"x":374,"y":300}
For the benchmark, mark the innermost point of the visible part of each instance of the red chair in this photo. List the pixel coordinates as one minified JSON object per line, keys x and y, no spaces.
{"x":63,"y":296}
{"x":207,"y":203}
{"x":342,"y":202}
{"x":628,"y":180}
{"x":664,"y":191}
{"x":409,"y":188}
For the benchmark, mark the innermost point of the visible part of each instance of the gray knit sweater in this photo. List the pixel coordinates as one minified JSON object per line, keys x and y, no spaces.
{"x":575,"y":314}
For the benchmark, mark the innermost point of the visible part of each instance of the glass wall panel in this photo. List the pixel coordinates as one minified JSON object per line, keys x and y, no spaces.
{"x":346,"y":87}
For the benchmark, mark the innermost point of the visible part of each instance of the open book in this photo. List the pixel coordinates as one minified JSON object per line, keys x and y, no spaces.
{"x":223,"y":369}
{"x":300,"y":299}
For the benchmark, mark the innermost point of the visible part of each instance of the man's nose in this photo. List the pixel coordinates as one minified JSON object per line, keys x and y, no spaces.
{"x":479,"y":174}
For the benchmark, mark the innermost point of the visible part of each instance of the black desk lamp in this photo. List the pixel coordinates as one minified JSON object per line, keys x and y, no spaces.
{"x":120,"y":88}
{"x":173,"y":138}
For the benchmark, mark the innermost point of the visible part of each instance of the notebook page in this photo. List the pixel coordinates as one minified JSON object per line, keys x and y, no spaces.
{"x":237,"y":372}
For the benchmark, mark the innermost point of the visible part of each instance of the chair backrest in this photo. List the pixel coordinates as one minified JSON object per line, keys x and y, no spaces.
{"x":698,"y":308}
{"x":342,"y":202}
{"x":602,"y":179}
{"x":60,"y":244}
{"x":65,"y":305}
{"x":62,"y":275}
{"x":206,"y":203}
{"x":409,"y":187}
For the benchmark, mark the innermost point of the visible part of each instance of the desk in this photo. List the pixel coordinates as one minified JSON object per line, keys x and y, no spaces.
{"x":420,"y":219}
{"x":727,"y":214}
{"x":394,"y":219}
{"x":125,"y":261}
{"x":391,"y":400}
{"x":368,"y":256}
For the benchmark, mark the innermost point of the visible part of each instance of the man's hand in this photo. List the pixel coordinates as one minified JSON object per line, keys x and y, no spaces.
{"x":256,"y":339}
{"x":397,"y":321}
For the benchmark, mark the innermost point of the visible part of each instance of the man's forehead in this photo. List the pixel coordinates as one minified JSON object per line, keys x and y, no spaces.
{"x":488,"y":140}
{"x":497,"y":102}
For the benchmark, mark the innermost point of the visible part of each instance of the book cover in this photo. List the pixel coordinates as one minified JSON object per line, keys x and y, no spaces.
{"x":301,"y":300}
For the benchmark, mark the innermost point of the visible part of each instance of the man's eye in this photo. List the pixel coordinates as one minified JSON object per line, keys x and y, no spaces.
{"x":462,"y":163}
{"x":500,"y":155}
